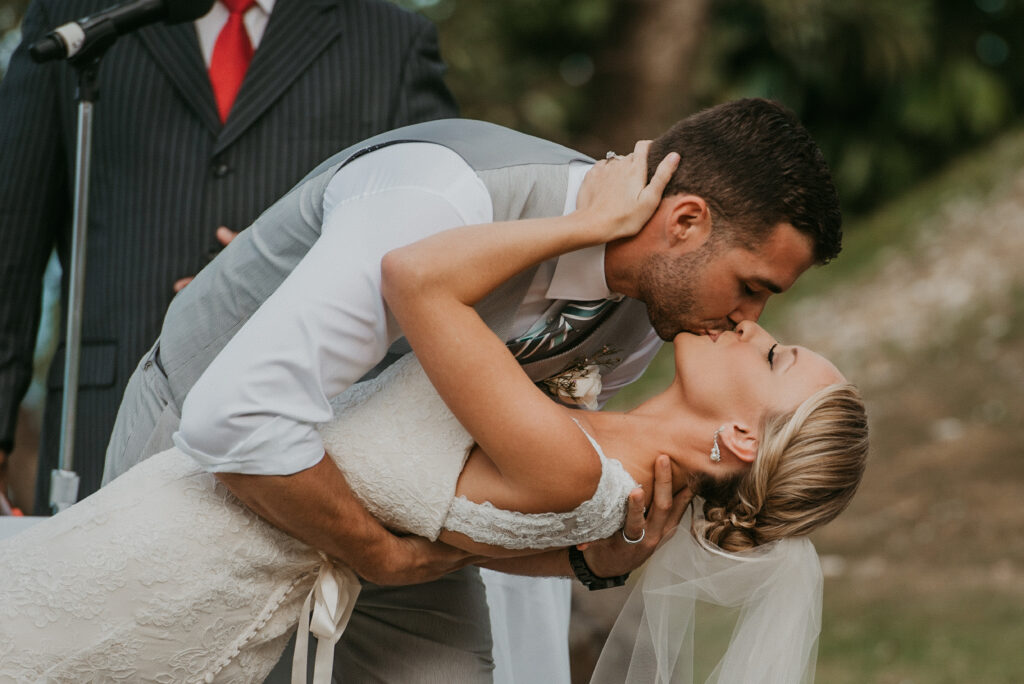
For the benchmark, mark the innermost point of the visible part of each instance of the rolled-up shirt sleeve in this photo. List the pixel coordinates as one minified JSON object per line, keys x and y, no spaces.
{"x":256,"y":407}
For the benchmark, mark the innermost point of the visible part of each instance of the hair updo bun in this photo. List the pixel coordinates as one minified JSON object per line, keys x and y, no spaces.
{"x":808,"y":466}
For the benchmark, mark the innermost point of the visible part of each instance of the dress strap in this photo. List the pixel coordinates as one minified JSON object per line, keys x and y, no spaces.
{"x":593,"y":442}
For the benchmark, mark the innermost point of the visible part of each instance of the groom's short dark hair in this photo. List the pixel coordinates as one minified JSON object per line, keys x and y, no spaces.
{"x":756,"y":166}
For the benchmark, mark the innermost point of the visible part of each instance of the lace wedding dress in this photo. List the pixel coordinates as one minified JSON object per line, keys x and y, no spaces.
{"x":164,"y":576}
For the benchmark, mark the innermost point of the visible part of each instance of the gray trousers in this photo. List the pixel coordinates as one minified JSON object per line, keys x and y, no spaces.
{"x":433,"y":633}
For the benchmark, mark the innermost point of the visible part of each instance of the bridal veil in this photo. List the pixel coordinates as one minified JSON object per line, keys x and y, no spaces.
{"x":777,"y":589}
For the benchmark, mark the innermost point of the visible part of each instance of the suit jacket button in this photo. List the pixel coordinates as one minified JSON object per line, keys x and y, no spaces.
{"x":220,"y":170}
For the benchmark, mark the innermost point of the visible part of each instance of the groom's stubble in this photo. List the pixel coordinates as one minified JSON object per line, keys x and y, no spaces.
{"x":668,"y":284}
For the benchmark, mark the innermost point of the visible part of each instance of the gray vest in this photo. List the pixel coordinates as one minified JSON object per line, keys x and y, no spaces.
{"x":525,"y":176}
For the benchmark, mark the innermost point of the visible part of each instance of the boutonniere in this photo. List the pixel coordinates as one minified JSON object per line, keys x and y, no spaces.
{"x":580,"y":383}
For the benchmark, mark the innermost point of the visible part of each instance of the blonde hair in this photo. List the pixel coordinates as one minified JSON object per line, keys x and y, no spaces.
{"x":808,"y":466}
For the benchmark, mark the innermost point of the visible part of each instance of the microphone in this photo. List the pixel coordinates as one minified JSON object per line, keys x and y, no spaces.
{"x":101,"y":29}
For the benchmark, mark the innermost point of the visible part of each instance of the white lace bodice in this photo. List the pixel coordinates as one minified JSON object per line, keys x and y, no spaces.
{"x":595,"y":518}
{"x":399,"y":446}
{"x":402,"y":450}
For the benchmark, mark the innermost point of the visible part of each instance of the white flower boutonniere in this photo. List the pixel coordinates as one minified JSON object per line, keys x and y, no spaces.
{"x":580,"y":383}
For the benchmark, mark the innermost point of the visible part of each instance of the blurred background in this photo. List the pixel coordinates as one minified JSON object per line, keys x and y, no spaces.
{"x":916,"y":104}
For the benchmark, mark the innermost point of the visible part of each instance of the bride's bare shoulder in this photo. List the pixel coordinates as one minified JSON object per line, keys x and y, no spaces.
{"x":556,"y":483}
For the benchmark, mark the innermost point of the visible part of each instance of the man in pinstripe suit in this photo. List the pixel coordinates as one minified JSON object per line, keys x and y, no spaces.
{"x":166,"y":172}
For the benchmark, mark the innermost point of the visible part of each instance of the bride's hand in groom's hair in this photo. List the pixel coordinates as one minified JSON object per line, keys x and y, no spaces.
{"x":615,"y":195}
{"x":615,"y":556}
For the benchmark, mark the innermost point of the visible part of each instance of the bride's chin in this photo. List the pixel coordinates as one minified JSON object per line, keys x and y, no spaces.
{"x":684,"y":339}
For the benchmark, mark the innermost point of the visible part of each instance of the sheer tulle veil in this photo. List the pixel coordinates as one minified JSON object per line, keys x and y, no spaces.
{"x":776,"y":587}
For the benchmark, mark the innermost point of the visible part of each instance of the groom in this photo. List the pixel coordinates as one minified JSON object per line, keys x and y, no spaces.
{"x":750,"y":207}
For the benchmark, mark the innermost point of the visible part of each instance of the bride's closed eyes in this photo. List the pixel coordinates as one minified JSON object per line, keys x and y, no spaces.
{"x":771,"y":356}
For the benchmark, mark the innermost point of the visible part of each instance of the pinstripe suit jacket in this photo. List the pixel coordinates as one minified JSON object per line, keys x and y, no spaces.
{"x":166,"y":173}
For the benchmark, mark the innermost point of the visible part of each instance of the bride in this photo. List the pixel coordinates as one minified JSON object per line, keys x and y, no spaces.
{"x":164,"y":576}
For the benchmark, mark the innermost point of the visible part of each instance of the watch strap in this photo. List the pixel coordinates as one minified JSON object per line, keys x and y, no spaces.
{"x":585,"y":575}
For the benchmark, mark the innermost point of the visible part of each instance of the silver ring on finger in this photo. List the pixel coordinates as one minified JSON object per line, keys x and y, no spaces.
{"x":643,"y":533}
{"x":611,"y":155}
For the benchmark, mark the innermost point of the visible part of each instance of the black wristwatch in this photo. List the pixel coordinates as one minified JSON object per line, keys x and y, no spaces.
{"x":585,"y":575}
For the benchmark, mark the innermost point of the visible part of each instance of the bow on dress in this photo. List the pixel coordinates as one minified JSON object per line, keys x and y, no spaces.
{"x":325,"y":615}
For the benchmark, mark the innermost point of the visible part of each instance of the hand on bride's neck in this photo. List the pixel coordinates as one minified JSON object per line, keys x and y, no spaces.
{"x":638,"y":437}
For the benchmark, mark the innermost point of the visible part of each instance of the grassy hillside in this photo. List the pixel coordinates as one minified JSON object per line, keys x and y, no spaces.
{"x":925,"y":311}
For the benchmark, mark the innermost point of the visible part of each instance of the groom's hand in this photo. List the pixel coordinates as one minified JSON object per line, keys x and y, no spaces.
{"x":224,"y":236}
{"x":614,"y":556}
{"x":414,"y":560}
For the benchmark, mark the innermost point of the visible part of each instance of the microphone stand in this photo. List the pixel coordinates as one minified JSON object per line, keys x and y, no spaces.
{"x":63,"y":480}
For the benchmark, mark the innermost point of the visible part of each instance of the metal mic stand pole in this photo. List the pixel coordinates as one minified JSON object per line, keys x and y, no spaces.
{"x":63,"y":480}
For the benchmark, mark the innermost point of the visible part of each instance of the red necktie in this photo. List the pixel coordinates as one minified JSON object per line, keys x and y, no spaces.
{"x":231,"y":56}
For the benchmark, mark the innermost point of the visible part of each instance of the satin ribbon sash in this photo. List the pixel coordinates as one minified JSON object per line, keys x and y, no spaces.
{"x":325,"y":614}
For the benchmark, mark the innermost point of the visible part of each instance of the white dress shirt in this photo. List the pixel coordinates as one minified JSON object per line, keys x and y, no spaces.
{"x":256,"y":407}
{"x":209,"y":25}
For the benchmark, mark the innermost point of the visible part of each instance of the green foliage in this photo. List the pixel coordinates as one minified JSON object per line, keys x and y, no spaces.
{"x":522,"y":63}
{"x":889,"y":89}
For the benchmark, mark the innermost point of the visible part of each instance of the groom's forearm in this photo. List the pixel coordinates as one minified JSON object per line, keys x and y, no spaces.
{"x":307,"y":505}
{"x":554,"y":563}
{"x":615,"y":555}
{"x":318,"y":507}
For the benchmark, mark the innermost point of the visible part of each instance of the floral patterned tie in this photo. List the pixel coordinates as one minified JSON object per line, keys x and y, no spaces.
{"x":231,"y":56}
{"x":561,"y":329}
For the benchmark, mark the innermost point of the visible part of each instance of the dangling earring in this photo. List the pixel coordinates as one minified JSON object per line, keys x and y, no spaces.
{"x":716,"y":455}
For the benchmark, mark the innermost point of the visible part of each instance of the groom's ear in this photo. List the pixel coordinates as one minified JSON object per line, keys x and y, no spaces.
{"x":687,"y":221}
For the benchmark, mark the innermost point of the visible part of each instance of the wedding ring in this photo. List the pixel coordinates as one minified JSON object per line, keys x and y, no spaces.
{"x":643,"y":533}
{"x":611,"y":155}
